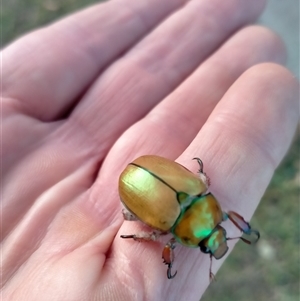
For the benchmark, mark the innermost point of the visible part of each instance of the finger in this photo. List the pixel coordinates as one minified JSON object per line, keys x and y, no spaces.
{"x":259,"y":119}
{"x":44,"y":86}
{"x":105,"y":119}
{"x":117,"y":101}
{"x":153,"y":69}
{"x":172,"y":125}
{"x":179,"y":117}
{"x":242,"y":143}
{"x":60,"y":61}
{"x":58,"y":226}
{"x":261,"y":45}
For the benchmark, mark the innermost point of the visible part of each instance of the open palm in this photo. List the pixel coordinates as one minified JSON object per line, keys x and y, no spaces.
{"x":88,"y":94}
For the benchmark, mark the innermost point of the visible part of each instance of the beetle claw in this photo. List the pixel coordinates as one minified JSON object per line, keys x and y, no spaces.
{"x":200,"y":164}
{"x":202,"y":174}
{"x":169,"y":274}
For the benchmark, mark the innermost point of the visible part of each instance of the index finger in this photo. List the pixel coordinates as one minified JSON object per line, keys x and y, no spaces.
{"x":49,"y":68}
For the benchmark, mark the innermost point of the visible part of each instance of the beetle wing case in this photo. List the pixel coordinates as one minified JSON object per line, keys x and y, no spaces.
{"x":150,"y":187}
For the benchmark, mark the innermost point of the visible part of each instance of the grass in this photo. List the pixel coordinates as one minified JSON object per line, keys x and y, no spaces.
{"x":19,"y":17}
{"x":269,"y":271}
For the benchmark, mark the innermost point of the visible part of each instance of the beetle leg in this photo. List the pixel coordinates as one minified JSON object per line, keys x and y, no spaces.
{"x":168,"y":257}
{"x":143,"y":236}
{"x":128,"y":216}
{"x":241,"y":224}
{"x":200,"y":164}
{"x":202,"y":174}
{"x":211,"y":274}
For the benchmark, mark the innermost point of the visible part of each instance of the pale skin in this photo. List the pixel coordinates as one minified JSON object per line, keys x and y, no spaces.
{"x":85,"y":96}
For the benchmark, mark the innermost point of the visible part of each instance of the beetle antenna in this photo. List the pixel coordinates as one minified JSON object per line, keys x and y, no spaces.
{"x":200,"y":164}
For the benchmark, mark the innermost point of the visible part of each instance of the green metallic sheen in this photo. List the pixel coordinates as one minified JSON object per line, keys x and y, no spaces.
{"x":198,"y":220}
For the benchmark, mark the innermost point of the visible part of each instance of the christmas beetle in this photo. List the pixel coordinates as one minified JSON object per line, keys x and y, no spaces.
{"x":169,"y":198}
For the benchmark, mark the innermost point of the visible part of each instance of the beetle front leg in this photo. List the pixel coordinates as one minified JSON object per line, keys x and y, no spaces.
{"x":241,"y":224}
{"x":168,"y":257}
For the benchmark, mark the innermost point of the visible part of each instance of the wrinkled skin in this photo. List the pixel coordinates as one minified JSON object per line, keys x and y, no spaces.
{"x":88,"y":94}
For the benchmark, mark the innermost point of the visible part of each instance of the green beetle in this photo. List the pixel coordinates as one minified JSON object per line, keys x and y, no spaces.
{"x":169,"y":198}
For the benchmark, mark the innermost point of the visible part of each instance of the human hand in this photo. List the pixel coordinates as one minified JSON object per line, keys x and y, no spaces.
{"x":85,"y":96}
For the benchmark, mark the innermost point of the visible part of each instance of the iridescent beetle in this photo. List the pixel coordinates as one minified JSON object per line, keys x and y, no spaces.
{"x":169,"y":198}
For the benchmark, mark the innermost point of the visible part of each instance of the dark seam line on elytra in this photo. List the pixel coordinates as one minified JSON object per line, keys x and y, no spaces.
{"x":155,"y":176}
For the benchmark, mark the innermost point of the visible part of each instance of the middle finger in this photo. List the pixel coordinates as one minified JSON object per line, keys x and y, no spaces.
{"x":152,"y":69}
{"x":181,"y":115}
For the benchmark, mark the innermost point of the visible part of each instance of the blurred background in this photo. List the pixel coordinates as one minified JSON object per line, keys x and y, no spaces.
{"x":270,"y":270}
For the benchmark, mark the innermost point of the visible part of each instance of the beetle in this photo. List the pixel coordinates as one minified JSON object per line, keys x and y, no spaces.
{"x":170,"y":198}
